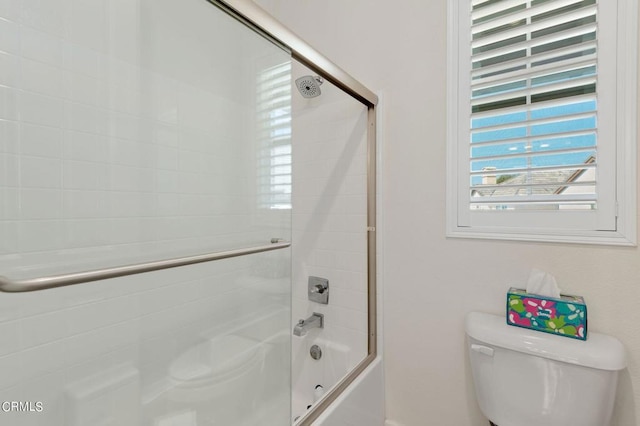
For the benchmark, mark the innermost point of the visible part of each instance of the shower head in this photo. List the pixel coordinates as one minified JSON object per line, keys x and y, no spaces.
{"x":309,"y":86}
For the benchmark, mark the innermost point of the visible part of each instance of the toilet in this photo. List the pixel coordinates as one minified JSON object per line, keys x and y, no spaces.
{"x":528,"y":378}
{"x":219,"y":378}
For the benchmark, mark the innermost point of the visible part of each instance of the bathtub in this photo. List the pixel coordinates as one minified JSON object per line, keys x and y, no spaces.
{"x":361,"y":404}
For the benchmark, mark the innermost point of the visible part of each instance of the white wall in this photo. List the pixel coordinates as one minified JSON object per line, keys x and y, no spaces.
{"x":399,"y":50}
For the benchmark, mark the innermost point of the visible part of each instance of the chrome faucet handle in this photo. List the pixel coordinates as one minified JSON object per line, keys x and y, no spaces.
{"x":318,"y":288}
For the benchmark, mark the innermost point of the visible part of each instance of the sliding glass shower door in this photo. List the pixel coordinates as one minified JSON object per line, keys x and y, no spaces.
{"x":133,"y":132}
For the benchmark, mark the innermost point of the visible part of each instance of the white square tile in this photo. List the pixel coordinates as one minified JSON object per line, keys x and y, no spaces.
{"x":10,"y":170}
{"x":124,"y":22}
{"x":40,"y":329}
{"x":88,"y":26}
{"x":93,"y":316}
{"x":41,"y":141}
{"x":10,"y":10}
{"x":168,"y":204}
{"x":9,"y":70}
{"x":85,"y":175}
{"x":85,"y":118}
{"x":86,"y":204}
{"x":168,"y":158}
{"x":9,"y":208}
{"x":39,"y":46}
{"x":42,"y":360}
{"x":166,"y":134}
{"x":43,"y":78}
{"x":9,"y":103}
{"x":100,"y":342}
{"x":40,"y":204}
{"x":87,"y":233}
{"x":138,"y":205}
{"x":190,"y":161}
{"x":11,"y":337}
{"x":85,"y":146}
{"x":11,"y":370}
{"x":88,"y":90}
{"x":9,"y":37}
{"x":40,"y":172}
{"x":50,"y":16}
{"x":127,"y":231}
{"x":39,"y":109}
{"x":125,"y":126}
{"x":41,"y":235}
{"x":126,"y":178}
{"x":9,"y":137}
{"x":83,"y":60}
{"x":168,"y":181}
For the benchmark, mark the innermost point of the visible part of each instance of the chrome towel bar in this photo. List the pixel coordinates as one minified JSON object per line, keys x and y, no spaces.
{"x":34,"y":284}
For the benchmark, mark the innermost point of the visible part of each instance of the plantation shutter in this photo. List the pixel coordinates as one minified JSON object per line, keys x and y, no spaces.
{"x":535,"y":96}
{"x":274,"y":137}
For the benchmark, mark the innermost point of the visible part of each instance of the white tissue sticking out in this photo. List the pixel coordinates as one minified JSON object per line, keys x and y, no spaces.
{"x":542,"y":284}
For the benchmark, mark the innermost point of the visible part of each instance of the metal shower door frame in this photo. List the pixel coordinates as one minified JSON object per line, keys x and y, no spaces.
{"x":257,"y":19}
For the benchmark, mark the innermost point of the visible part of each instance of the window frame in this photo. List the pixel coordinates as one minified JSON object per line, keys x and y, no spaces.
{"x":625,"y":123}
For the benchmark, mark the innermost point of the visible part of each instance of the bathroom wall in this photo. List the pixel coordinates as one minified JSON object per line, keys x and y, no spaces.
{"x":329,"y":233}
{"x":399,"y":49}
{"x":128,"y":132}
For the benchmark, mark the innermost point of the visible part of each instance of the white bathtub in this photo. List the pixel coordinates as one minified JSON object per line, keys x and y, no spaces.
{"x":307,"y":373}
{"x":362,"y":404}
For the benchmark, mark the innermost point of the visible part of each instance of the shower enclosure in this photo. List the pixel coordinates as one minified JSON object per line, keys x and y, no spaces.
{"x":165,"y":195}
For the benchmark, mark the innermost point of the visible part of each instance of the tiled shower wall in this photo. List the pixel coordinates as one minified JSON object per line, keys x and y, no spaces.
{"x":126,"y":133}
{"x":329,"y":233}
{"x":103,"y":142}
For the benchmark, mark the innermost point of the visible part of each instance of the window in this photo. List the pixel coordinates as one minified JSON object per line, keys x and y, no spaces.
{"x":274,"y":137}
{"x":541,"y":120}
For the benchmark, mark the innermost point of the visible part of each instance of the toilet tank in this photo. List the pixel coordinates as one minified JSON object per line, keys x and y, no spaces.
{"x":526,"y":378}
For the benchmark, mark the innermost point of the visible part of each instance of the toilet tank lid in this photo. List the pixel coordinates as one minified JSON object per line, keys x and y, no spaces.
{"x":598,"y":351}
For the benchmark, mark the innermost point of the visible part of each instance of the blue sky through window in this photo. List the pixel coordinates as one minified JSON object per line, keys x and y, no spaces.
{"x":538,"y":150}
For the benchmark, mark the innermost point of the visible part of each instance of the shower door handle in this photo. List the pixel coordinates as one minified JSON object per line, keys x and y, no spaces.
{"x":34,"y":284}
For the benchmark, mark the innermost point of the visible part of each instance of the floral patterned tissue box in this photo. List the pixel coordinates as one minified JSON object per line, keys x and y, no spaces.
{"x":566,"y":316}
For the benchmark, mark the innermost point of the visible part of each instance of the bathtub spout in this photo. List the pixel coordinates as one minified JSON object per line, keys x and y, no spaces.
{"x":314,"y":321}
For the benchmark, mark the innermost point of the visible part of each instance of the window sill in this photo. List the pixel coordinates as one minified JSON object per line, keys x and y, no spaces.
{"x":610,"y":238}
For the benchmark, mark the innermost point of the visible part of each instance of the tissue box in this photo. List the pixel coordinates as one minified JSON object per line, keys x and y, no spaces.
{"x":564,"y":316}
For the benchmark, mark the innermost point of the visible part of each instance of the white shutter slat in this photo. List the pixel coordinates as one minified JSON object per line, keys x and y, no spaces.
{"x":537,"y":199}
{"x":527,"y":13}
{"x":534,"y":169}
{"x":502,"y":68}
{"x":537,"y":138}
{"x":501,"y":6}
{"x":538,"y":154}
{"x":532,"y":91}
{"x":533,"y":43}
{"x":531,"y":122}
{"x":533,"y":185}
{"x":534,"y":27}
{"x":525,"y":108}
{"x":550,"y":68}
